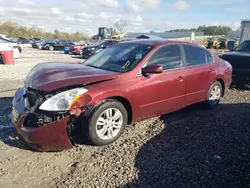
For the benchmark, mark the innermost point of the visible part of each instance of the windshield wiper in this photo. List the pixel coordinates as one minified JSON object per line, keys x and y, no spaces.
{"x":102,"y":68}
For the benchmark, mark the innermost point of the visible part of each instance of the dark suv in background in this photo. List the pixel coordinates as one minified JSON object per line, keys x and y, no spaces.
{"x":239,"y":58}
{"x":59,"y":45}
{"x":92,"y":49}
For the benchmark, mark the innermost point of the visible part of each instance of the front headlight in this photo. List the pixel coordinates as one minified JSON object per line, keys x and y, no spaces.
{"x":62,"y":101}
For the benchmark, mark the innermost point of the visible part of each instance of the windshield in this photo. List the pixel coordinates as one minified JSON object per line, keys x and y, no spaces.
{"x":243,"y":47}
{"x":119,"y":58}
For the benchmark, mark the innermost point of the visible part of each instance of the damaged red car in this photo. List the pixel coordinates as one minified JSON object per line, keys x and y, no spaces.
{"x":125,"y":83}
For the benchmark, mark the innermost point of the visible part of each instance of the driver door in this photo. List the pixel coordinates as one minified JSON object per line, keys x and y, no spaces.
{"x":161,"y":93}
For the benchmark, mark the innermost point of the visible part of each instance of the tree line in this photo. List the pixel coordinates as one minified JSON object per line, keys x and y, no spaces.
{"x":12,"y":29}
{"x":208,"y":30}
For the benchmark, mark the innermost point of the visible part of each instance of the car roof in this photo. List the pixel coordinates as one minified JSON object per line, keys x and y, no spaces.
{"x":156,"y":42}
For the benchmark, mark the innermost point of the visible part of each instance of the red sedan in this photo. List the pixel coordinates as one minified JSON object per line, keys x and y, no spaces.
{"x":76,"y":49}
{"x":125,"y":83}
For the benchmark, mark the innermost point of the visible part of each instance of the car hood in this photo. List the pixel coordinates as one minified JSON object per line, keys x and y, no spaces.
{"x":50,"y":76}
{"x":238,"y":60}
{"x":234,"y":53}
{"x":92,"y":46}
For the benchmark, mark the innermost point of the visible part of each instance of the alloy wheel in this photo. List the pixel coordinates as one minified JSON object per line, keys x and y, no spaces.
{"x":215,"y":95}
{"x":109,"y":123}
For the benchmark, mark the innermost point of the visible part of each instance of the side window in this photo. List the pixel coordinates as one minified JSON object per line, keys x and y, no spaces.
{"x":168,"y":56}
{"x":194,"y":55}
{"x":244,"y":47}
{"x":247,"y":48}
{"x":209,"y":57}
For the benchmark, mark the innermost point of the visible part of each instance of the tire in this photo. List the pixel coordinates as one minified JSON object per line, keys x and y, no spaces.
{"x":210,"y":103}
{"x":80,"y":53}
{"x":19,"y":49}
{"x":91,"y":130}
{"x":51,"y":48}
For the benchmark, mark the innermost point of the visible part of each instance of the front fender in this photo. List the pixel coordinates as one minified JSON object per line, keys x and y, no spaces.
{"x":92,"y":99}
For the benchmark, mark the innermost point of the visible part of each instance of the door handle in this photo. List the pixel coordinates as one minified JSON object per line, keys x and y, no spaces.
{"x":179,"y":79}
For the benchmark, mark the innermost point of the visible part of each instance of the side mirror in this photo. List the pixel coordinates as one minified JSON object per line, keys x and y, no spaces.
{"x":152,"y":69}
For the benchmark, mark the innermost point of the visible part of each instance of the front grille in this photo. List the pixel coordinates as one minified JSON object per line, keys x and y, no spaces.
{"x":31,"y":98}
{"x":38,"y":120}
{"x":35,"y":97}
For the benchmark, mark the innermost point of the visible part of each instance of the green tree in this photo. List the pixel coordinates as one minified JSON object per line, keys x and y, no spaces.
{"x":208,"y":30}
{"x":12,"y":29}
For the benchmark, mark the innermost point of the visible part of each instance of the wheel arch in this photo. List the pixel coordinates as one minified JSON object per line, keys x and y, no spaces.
{"x":222,"y":84}
{"x":126,"y":104}
{"x":120,"y":96}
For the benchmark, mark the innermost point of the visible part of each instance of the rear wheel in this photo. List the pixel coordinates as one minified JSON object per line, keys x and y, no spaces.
{"x":214,"y":95}
{"x":51,"y":48}
{"x":106,"y":122}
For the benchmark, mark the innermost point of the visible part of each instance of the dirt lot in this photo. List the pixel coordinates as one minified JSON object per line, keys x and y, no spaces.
{"x":193,"y":147}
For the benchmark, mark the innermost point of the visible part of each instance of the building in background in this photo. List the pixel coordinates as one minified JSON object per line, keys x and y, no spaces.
{"x":245,"y":30}
{"x":166,"y":35}
{"x":233,"y":34}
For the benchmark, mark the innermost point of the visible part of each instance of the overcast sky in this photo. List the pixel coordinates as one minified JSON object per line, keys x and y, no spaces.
{"x":142,"y":15}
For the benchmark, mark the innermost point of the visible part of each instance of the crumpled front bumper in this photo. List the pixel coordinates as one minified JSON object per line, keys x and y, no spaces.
{"x":50,"y":137}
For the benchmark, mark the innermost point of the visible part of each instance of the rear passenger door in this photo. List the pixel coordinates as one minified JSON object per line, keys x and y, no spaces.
{"x":200,"y":72}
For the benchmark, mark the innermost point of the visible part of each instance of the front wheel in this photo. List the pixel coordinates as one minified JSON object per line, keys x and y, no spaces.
{"x":106,"y":122}
{"x":214,"y":95}
{"x":81,"y":53}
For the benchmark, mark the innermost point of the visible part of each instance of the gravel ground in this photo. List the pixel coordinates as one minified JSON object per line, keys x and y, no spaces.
{"x":193,"y":147}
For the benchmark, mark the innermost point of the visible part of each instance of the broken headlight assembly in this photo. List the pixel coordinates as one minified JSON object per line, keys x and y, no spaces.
{"x":62,"y":101}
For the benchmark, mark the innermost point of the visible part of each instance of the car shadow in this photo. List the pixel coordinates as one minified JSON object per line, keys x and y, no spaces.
{"x":198,"y":148}
{"x":7,"y":131}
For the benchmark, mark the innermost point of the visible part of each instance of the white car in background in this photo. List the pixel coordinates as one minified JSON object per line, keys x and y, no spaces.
{"x":6,"y":45}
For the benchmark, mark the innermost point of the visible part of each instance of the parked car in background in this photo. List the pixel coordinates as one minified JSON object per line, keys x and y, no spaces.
{"x":33,"y":40}
{"x":59,"y":45}
{"x":47,"y":43}
{"x":92,"y":49}
{"x":6,"y":46}
{"x":4,"y":39}
{"x":38,"y":43}
{"x":99,"y":97}
{"x":239,"y":58}
{"x":43,"y":44}
{"x":77,"y":49}
{"x":22,"y":40}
